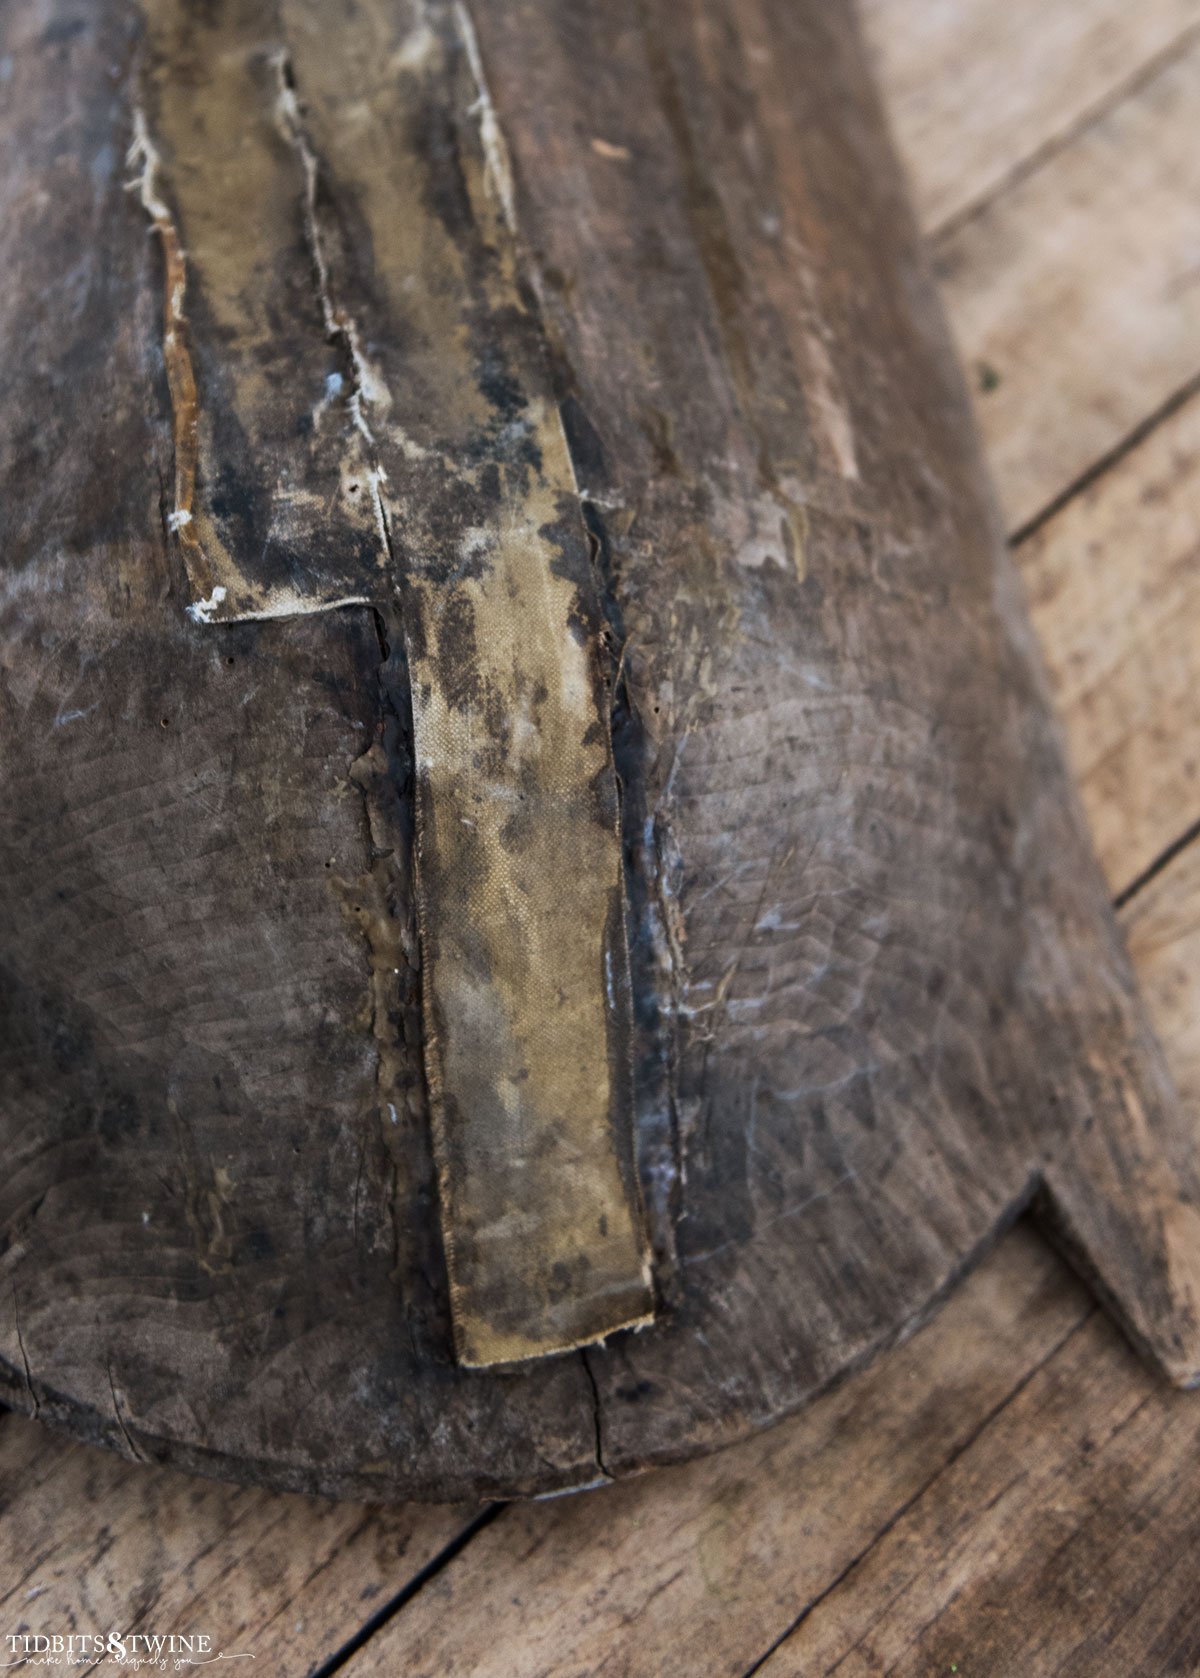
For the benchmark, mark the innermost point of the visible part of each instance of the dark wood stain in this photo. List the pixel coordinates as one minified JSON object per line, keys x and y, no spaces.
{"x":878,"y":998}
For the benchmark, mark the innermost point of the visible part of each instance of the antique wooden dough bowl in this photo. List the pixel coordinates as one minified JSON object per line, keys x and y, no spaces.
{"x":543,"y":916}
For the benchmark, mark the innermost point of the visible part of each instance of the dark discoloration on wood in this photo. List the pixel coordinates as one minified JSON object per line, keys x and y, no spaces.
{"x":889,"y":935}
{"x":879,"y":994}
{"x":395,"y":444}
{"x":204,"y":1196}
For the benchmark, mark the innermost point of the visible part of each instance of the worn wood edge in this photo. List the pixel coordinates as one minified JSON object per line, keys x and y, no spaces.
{"x":26,"y":1396}
{"x":1055,"y":1209}
{"x":1138,"y":501}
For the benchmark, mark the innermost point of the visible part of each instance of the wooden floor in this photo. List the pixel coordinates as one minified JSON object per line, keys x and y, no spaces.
{"x":1010,"y":1494}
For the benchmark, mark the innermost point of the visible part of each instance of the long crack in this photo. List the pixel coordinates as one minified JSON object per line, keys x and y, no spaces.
{"x":33,"y":1397}
{"x":498,"y":165}
{"x":366,"y":386}
{"x":597,"y":1415}
{"x":143,"y":157}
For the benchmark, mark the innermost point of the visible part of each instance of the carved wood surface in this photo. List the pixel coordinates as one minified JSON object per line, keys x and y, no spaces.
{"x":880,"y":1002}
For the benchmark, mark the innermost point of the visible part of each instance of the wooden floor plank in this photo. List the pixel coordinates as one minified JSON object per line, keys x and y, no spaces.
{"x":95,"y":1543}
{"x":975,"y":89}
{"x":1162,"y":928}
{"x":1114,"y":585}
{"x":695,"y":1569}
{"x":1075,"y":294}
{"x":1048,"y":1547}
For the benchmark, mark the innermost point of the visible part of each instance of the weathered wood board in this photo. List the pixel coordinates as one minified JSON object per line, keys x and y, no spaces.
{"x":981,"y":95}
{"x":286,"y":1579}
{"x":1122,"y":199}
{"x":1115,"y":592}
{"x":879,"y":999}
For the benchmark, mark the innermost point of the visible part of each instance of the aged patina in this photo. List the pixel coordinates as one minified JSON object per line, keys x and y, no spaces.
{"x":521,"y":751}
{"x":397,"y":445}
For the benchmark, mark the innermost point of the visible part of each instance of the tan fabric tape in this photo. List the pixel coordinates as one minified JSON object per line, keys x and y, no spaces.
{"x":398,"y":445}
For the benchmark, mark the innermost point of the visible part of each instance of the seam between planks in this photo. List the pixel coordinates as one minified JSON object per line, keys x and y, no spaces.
{"x":893,"y":1520}
{"x":1163,"y":860}
{"x":404,"y":1596}
{"x":1049,"y":148}
{"x":1136,"y":435}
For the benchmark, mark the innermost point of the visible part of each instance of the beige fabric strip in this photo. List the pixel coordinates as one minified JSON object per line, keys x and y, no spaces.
{"x":362,"y":414}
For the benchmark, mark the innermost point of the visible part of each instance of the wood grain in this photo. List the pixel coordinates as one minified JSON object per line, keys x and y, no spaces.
{"x":879,"y":993}
{"x":1065,"y":363}
{"x":977,"y":91}
{"x":1114,"y":588}
{"x":698,"y":1569}
{"x":93,"y":1543}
